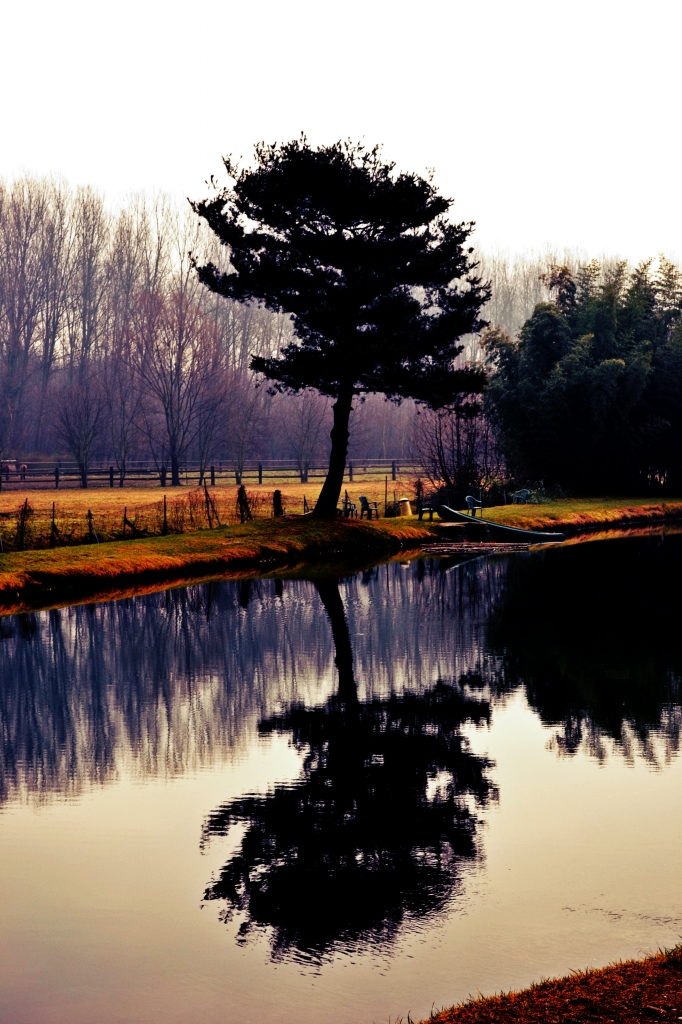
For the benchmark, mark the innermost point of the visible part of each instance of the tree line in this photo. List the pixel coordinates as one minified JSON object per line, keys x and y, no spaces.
{"x":112,"y":350}
{"x":588,"y":395}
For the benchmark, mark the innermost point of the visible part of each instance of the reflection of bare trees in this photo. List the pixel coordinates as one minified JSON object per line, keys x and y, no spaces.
{"x":172,"y":681}
{"x":158,"y":685}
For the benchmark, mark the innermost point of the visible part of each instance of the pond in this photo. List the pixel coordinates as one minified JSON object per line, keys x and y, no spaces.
{"x":341,"y":799}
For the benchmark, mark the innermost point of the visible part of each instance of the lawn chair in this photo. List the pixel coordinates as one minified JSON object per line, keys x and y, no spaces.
{"x":368,"y":507}
{"x":348,"y":508}
{"x":520,"y":497}
{"x":473,"y":504}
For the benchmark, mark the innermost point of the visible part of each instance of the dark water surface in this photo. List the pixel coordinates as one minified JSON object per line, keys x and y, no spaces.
{"x":341,"y":800}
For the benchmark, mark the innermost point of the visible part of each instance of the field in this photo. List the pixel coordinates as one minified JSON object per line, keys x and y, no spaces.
{"x":143,"y":507}
{"x":93,"y":515}
{"x":104,"y":514}
{"x":624,"y":993}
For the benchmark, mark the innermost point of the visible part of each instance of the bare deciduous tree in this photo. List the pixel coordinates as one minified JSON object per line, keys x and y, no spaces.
{"x":88,"y":281}
{"x":23,"y":212}
{"x":306,"y":425}
{"x":455,"y":446}
{"x":80,"y":422}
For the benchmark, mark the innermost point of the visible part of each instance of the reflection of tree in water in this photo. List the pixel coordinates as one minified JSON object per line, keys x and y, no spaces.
{"x":167,"y":682}
{"x":593,"y":633}
{"x":375,"y":827}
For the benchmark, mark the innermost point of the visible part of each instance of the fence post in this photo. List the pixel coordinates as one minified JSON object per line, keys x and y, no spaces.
{"x":260,"y":472}
{"x":165,"y":516}
{"x":393,"y":471}
{"x":238,"y":477}
{"x":92,"y":532}
{"x":56,"y":477}
{"x":111,"y":476}
{"x":385,"y":495}
{"x":350,"y":472}
{"x":243,"y":504}
{"x":53,"y":531}
{"x":208,"y":507}
{"x":212,"y":476}
{"x":22,"y":524}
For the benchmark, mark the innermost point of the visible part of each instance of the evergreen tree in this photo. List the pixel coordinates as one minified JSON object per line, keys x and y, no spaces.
{"x":589,"y":395}
{"x":379,"y":284}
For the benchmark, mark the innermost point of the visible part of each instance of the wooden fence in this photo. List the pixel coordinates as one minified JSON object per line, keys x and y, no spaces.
{"x":64,"y":475}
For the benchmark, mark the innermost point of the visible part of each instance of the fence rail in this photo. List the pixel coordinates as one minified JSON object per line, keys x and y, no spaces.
{"x":15,"y":475}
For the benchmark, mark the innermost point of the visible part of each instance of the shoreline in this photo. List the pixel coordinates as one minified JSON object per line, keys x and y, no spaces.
{"x":41,"y":579}
{"x":38,"y":580}
{"x":574,"y":516}
{"x":622,"y":993}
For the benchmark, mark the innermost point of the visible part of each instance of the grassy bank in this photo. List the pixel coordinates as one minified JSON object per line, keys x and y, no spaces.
{"x":624,"y":993}
{"x":585,"y":513}
{"x":79,"y":517}
{"x":39,"y":579}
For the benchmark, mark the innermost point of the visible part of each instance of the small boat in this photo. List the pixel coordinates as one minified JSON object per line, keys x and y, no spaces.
{"x":532,"y":536}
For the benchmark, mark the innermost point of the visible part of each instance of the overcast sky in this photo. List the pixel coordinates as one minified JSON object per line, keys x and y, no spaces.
{"x":548,"y":122}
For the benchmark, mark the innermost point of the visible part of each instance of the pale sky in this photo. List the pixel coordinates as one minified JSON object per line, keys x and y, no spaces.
{"x":549,"y":123}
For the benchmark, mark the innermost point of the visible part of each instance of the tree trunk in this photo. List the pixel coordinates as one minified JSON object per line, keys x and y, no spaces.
{"x":175,"y":470}
{"x":331,"y":489}
{"x":333,"y":605}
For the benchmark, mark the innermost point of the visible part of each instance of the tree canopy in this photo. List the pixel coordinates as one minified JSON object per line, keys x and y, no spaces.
{"x":589,"y":395}
{"x":379,"y":283}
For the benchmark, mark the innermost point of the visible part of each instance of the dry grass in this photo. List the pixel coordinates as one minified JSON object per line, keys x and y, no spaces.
{"x":584,"y":512}
{"x":33,"y":579}
{"x":105,"y":499}
{"x":185,"y":510}
{"x":637,"y":990}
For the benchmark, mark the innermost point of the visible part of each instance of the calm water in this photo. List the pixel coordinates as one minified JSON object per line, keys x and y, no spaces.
{"x":341,"y":800}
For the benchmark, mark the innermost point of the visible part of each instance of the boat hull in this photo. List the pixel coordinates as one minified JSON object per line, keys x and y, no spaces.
{"x":532,"y":536}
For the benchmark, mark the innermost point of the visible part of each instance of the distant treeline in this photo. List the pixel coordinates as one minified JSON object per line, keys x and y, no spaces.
{"x":111,"y":351}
